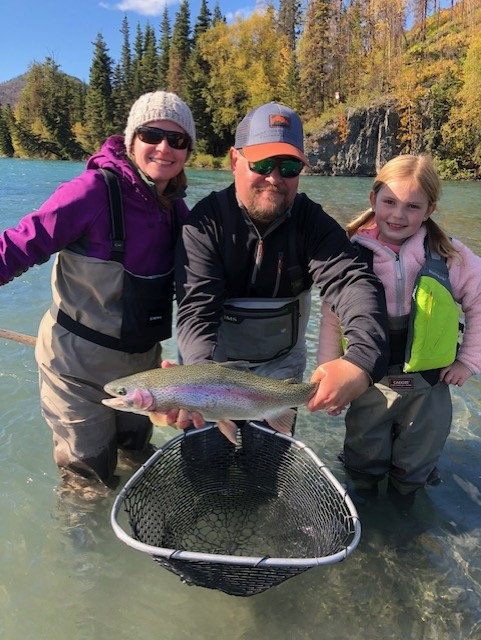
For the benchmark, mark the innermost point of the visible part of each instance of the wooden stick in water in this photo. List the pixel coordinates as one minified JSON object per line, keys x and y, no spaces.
{"x":17,"y":337}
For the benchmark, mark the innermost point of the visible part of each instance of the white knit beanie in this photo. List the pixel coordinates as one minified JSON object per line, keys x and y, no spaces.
{"x":159,"y":105}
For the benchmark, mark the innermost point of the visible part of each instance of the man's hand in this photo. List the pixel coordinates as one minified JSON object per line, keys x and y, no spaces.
{"x":180,"y":418}
{"x":340,"y":382}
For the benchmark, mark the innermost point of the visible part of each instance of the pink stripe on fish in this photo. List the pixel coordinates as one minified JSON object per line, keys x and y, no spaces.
{"x":217,"y":390}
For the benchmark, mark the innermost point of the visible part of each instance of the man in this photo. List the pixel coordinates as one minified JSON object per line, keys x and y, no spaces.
{"x":248,"y":257}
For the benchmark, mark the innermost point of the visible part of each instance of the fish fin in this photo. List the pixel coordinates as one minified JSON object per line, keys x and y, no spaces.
{"x":158,"y":419}
{"x":228,"y":429}
{"x":283,"y":423}
{"x":239,"y":365}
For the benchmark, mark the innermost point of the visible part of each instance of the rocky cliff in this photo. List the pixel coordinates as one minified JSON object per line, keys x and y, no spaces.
{"x":357,"y":144}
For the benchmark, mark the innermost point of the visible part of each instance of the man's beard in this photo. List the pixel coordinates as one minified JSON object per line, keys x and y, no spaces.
{"x":269,"y":210}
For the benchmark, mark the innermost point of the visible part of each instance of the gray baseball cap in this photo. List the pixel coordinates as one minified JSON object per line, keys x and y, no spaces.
{"x":271,"y":130}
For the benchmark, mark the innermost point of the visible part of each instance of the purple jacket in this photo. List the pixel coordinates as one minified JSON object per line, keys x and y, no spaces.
{"x":78,"y":212}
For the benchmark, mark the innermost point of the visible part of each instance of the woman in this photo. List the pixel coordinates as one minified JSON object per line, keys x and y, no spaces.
{"x":111,"y":281}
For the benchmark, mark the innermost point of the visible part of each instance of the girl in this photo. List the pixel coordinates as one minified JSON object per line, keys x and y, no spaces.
{"x":399,"y":426}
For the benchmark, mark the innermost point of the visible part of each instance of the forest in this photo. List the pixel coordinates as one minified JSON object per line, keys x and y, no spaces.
{"x":320,"y":58}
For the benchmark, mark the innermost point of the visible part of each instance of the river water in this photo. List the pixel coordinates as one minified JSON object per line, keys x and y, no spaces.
{"x":64,"y":574}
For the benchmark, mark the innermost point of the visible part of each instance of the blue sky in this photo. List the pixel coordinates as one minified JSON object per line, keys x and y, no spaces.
{"x":65,"y":29}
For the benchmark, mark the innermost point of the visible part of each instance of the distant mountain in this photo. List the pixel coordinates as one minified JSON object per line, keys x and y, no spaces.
{"x":10,"y":90}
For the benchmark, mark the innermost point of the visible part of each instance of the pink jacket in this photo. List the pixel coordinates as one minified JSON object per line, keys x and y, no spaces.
{"x":397,"y":273}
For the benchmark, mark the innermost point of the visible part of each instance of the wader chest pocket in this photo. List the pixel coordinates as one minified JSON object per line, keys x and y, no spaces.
{"x":147,"y":312}
{"x":259,"y":330}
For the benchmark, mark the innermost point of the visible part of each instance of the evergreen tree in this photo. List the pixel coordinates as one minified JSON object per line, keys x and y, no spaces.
{"x":150,"y":61}
{"x":164,"y":47}
{"x":32,"y":145}
{"x":353,"y":31}
{"x":55,"y":111}
{"x":6,"y":144}
{"x":288,"y":25}
{"x":442,"y":97}
{"x":137,"y":80}
{"x":78,"y":92}
{"x":99,"y":105}
{"x":179,"y":50}
{"x":122,"y":93}
{"x":26,"y":142}
{"x":217,"y":15}
{"x":289,"y":19}
{"x":47,"y":107}
{"x":28,"y":105}
{"x":289,"y":93}
{"x":314,"y":57}
{"x":118,"y":98}
{"x":196,"y":84}
{"x":203,"y":22}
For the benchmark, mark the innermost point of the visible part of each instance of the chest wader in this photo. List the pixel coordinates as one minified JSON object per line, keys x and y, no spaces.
{"x":260,"y":330}
{"x":146,"y":300}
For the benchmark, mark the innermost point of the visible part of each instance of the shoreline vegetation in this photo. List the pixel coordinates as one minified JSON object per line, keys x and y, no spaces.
{"x":332,"y":58}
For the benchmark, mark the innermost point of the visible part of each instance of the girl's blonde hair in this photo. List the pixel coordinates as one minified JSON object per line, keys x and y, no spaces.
{"x":421,"y":170}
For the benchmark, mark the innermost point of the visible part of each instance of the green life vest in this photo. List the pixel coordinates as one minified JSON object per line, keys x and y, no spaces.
{"x":428,"y":335}
{"x":433,"y":325}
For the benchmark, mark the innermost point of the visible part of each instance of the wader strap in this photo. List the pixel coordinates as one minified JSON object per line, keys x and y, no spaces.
{"x":117,"y":226}
{"x":86,"y":333}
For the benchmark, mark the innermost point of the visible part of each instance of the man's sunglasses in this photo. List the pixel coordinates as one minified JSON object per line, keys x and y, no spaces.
{"x":154,"y":135}
{"x":287,"y":168}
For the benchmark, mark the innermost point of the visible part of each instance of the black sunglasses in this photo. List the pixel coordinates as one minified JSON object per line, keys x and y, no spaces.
{"x":154,"y":135}
{"x":288,"y":168}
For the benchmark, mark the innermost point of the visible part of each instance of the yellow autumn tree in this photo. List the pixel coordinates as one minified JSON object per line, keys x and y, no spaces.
{"x":463,"y":132}
{"x":248,"y":62}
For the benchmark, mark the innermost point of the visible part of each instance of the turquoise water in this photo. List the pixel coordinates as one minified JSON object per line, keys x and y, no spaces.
{"x":64,"y":574}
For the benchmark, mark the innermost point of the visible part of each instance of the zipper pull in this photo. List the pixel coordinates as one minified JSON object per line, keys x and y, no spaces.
{"x":280,"y":261}
{"x":260,"y":253}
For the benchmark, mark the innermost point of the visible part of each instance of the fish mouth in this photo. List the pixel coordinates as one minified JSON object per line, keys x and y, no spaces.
{"x":116,"y":403}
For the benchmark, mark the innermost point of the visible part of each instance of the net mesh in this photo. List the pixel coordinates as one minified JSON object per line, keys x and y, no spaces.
{"x":238,"y":518}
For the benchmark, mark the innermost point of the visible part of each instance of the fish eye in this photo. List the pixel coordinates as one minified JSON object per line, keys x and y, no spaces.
{"x":122,"y":391}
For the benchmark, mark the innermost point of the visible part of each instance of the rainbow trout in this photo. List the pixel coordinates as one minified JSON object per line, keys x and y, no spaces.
{"x":221,"y":392}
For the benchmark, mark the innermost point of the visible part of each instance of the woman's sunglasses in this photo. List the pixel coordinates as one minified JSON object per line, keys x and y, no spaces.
{"x":154,"y":135}
{"x":287,"y":168}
